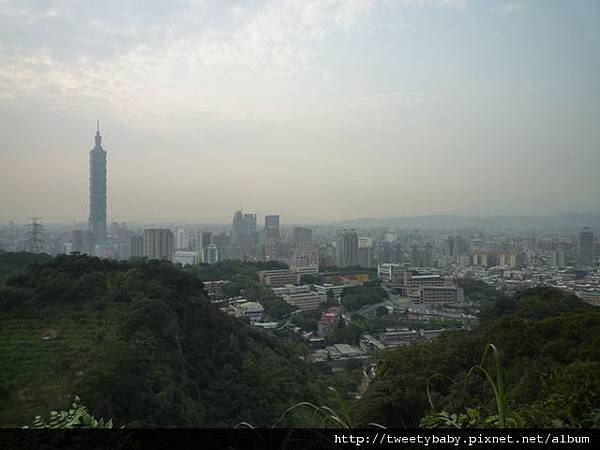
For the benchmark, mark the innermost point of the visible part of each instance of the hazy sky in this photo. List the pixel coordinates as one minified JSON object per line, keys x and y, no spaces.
{"x":316,"y":110}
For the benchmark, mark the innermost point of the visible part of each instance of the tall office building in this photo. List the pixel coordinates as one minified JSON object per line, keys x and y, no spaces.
{"x":238,"y":230}
{"x":251,"y":232}
{"x":158,"y":243}
{"x":585,"y":247}
{"x":97,"y":218}
{"x":244,"y":236}
{"x":347,"y":249}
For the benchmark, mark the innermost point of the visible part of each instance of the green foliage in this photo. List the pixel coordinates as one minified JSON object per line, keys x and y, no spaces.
{"x":356,"y":297}
{"x":142,"y":344}
{"x":307,"y":320}
{"x":14,"y":263}
{"x":565,"y":394}
{"x":76,"y":417}
{"x":243,"y":281}
{"x":550,"y":346}
{"x":471,"y":418}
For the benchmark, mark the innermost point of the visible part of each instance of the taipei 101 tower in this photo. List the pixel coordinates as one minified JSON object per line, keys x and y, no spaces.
{"x":97,"y":220}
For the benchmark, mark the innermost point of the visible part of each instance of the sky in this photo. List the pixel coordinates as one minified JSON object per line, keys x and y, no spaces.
{"x":316,"y":110}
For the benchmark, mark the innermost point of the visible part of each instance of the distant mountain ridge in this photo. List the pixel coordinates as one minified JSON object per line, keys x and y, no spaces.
{"x":556,"y":222}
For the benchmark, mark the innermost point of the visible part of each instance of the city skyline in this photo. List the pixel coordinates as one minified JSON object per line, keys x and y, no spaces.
{"x":288,"y":214}
{"x":312,"y":109}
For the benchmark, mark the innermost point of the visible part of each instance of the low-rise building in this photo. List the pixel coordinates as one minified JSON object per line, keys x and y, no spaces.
{"x":395,"y":338}
{"x":326,"y":288}
{"x":251,"y":311}
{"x":590,"y":296}
{"x":438,"y":294}
{"x":370,"y":344}
{"x":345,"y":351}
{"x":311,"y":269}
{"x":185,"y":258}
{"x":278,"y":277}
{"x":290,"y":289}
{"x":329,"y":320}
{"x":391,"y":272}
{"x":305,"y":301}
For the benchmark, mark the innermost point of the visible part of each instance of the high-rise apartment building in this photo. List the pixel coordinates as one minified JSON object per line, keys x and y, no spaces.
{"x":365,"y":252}
{"x":347,"y":249}
{"x":137,"y":246}
{"x":272,"y":227}
{"x":210,"y":254}
{"x":97,"y":217}
{"x":205,"y":238}
{"x":82,"y":241}
{"x":182,"y":240}
{"x":158,"y":243}
{"x":585,"y":247}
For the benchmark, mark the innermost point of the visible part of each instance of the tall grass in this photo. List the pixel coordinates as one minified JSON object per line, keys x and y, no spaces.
{"x":496,"y":380}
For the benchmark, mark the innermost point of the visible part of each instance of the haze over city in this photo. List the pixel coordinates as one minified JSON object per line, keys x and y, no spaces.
{"x":318,"y":111}
{"x":299,"y":223}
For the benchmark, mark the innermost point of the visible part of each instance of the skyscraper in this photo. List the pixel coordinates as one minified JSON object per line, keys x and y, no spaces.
{"x":347,"y":249}
{"x":243,"y":235}
{"x":251,"y":233}
{"x":239,"y":229}
{"x":97,"y":219}
{"x":585,"y":247}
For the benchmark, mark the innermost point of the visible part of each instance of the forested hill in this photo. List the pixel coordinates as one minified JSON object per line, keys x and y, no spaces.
{"x":139,"y":343}
{"x":549,"y":345}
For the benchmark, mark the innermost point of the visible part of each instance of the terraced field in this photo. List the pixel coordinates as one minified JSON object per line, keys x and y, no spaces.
{"x":43,"y":356}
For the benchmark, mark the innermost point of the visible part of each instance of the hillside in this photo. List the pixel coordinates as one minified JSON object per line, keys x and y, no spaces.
{"x":139,"y":343}
{"x":550,"y":355}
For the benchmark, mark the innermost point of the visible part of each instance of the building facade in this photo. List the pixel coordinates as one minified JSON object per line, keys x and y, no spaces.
{"x":158,"y":243}
{"x":347,"y":249}
{"x":585,"y":247}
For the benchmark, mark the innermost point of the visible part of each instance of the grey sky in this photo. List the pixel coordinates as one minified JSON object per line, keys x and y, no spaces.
{"x":317,"y":110}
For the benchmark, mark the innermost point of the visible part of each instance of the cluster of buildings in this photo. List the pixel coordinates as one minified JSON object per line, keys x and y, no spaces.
{"x":509,"y":260}
{"x":286,"y":285}
{"x":419,"y":286}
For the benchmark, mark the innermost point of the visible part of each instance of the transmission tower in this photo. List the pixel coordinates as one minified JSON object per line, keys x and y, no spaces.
{"x":34,"y":241}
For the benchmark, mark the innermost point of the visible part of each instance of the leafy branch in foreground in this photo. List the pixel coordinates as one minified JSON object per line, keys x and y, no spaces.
{"x":77,"y":416}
